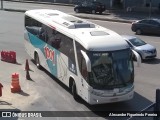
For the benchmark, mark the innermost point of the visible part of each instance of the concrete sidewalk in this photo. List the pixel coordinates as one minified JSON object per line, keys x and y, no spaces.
{"x":108,"y":15}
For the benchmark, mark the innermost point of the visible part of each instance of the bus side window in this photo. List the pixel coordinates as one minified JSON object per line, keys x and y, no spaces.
{"x":33,"y":26}
{"x":52,"y":40}
{"x":42,"y":34}
{"x":55,"y":39}
{"x":84,"y":68}
{"x":81,"y":61}
{"x":33,"y":29}
{"x":56,"y":43}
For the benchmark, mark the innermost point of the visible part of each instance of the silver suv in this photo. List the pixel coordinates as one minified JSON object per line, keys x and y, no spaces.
{"x":145,"y":50}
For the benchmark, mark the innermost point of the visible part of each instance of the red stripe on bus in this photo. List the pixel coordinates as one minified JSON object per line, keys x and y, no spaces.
{"x":52,"y":27}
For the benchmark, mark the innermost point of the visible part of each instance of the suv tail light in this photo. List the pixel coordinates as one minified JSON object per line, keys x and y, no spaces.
{"x":134,"y":22}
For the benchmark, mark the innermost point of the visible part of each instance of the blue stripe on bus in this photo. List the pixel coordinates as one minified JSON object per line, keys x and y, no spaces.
{"x":38,"y":43}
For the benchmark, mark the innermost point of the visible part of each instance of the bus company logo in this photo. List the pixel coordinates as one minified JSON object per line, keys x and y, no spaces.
{"x":50,"y":54}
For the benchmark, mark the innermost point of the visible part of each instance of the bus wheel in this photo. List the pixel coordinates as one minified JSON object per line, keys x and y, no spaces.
{"x":74,"y":91}
{"x":36,"y":58}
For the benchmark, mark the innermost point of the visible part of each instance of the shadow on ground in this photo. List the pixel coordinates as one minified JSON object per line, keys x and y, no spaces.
{"x":152,"y":61}
{"x":23,"y":93}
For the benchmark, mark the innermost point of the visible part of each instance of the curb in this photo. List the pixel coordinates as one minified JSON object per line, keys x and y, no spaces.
{"x":103,"y":19}
{"x":62,"y":4}
{"x":14,"y":10}
{"x":80,"y":16}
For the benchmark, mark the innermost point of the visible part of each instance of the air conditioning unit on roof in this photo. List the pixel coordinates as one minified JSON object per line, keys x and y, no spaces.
{"x":81,"y":25}
{"x":74,"y":22}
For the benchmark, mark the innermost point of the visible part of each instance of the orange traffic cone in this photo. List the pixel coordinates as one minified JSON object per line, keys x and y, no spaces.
{"x":28,"y":75}
{"x":15,"y":87}
{"x":27,"y":65}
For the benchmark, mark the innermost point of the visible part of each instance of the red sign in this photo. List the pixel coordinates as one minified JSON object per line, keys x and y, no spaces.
{"x":49,"y":53}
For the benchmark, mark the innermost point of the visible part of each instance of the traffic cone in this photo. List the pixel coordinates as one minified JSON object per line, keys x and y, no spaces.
{"x":27,"y":65}
{"x":28,"y":75}
{"x":15,"y":87}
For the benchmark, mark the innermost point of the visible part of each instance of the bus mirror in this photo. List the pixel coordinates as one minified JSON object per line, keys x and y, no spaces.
{"x":138,"y":58}
{"x":88,"y":63}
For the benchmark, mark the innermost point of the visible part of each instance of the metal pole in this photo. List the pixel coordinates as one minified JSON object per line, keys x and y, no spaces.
{"x":1,"y":4}
{"x":157,"y":105}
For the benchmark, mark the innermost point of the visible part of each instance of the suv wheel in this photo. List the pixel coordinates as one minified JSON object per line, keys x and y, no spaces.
{"x":138,"y":31}
{"x":93,"y":11}
{"x":100,"y":12}
{"x":76,"y":10}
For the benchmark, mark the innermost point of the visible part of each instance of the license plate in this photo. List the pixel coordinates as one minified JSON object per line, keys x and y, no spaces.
{"x":114,"y":99}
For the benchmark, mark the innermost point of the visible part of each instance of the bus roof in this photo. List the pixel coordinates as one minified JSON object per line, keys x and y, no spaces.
{"x":93,"y":37}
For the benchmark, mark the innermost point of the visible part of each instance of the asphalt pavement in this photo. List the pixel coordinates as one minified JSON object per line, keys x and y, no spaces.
{"x":108,"y":15}
{"x":10,"y":101}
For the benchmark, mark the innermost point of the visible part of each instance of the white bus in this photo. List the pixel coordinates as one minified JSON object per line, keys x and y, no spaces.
{"x":94,"y":62}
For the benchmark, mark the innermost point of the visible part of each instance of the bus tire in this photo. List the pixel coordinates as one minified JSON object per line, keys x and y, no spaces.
{"x":36,"y":59}
{"x":74,"y":91}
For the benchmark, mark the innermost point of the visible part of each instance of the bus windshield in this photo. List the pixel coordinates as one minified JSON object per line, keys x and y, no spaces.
{"x":111,"y":69}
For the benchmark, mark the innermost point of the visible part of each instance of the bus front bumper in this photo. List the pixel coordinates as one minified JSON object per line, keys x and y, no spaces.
{"x":95,"y":99}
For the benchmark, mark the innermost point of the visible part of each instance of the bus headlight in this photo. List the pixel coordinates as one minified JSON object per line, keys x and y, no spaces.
{"x":97,"y":93}
{"x":129,"y":89}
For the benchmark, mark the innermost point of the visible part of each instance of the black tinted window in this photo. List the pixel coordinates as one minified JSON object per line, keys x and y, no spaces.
{"x":84,"y":4}
{"x":33,"y":26}
{"x":154,"y":22}
{"x":51,"y":36}
{"x":81,"y":60}
{"x":144,"y":21}
{"x":97,"y":3}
